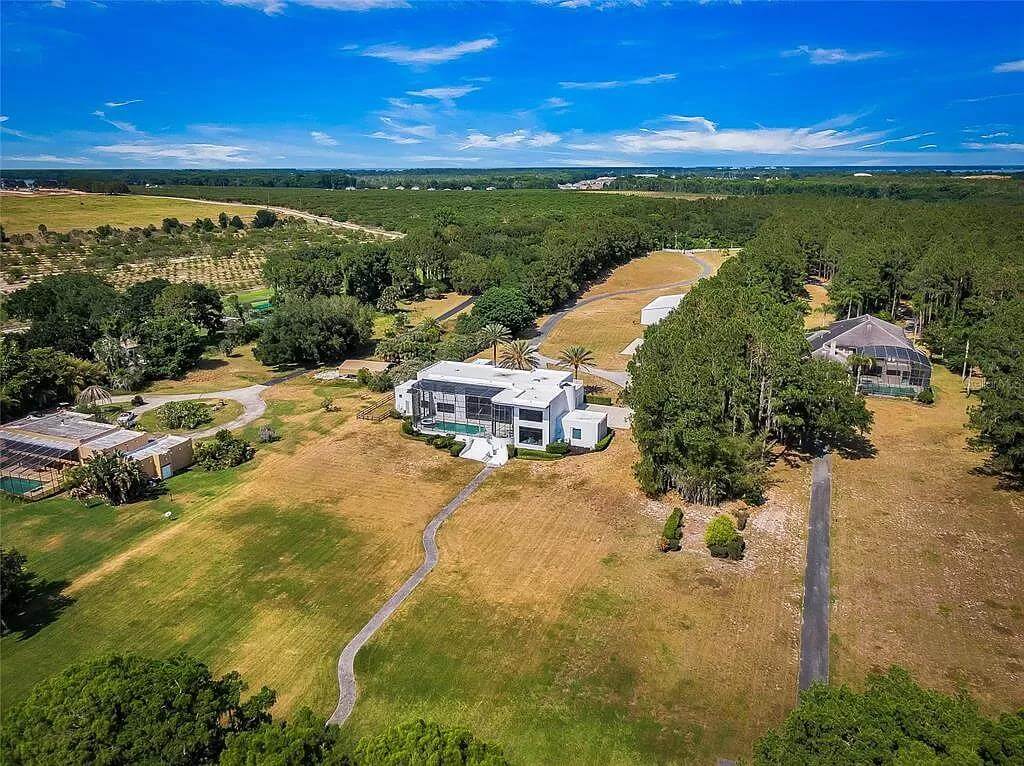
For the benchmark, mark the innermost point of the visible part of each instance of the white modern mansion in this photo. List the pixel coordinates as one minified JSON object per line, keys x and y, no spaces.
{"x":527,"y":408}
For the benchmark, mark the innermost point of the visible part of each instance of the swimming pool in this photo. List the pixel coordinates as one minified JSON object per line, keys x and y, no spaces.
{"x":16,"y":485}
{"x":456,"y":428}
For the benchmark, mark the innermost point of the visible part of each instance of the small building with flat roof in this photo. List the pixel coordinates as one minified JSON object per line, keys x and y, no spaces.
{"x":659,"y":308}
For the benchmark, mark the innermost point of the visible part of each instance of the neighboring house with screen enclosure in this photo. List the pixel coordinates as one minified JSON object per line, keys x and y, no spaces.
{"x":527,"y":408}
{"x":897,"y":369}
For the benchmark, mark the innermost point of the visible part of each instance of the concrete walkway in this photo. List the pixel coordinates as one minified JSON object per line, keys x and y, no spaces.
{"x":346,"y":669}
{"x":250,"y":397}
{"x":814,"y":630}
{"x":618,"y":377}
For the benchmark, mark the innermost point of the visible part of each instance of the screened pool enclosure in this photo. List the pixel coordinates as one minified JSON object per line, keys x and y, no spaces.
{"x":459,"y":408}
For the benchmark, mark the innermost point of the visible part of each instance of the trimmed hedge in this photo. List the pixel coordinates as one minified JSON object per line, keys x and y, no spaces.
{"x":456,"y":449}
{"x":603,"y":444}
{"x":533,"y":454}
{"x":597,"y":399}
{"x":673,"y":531}
{"x":557,"y":448}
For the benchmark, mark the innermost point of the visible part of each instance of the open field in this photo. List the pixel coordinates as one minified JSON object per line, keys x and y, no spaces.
{"x":928,"y":556}
{"x":217,"y":372}
{"x":267,"y":569}
{"x":19,"y":213}
{"x":819,"y":315}
{"x":431,"y":308}
{"x":608,"y":326}
{"x":552,"y":625}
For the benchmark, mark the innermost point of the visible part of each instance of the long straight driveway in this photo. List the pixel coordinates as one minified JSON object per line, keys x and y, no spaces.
{"x":814,"y":630}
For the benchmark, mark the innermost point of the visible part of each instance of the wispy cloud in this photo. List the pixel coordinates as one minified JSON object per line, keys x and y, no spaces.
{"x":1000,"y":134}
{"x":928,"y":146}
{"x":419,"y":131}
{"x":902,"y":140}
{"x":324,"y":139}
{"x":601,"y":5}
{"x":436,"y":54}
{"x":48,"y":158}
{"x":116,"y":104}
{"x":1009,"y":66}
{"x":441,"y":158}
{"x":1008,"y":147}
{"x":708,"y":137}
{"x":556,"y":102}
{"x":833,"y":55}
{"x":122,"y":125}
{"x":395,"y":138}
{"x":979,"y":99}
{"x":608,"y":84}
{"x":447,"y":94}
{"x":515,"y":139}
{"x":701,"y":122}
{"x":274,"y":7}
{"x":197,"y":154}
{"x":11,"y":131}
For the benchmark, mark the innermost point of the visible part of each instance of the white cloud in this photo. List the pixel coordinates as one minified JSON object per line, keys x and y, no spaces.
{"x":420,"y":131}
{"x":928,"y":146}
{"x":1009,"y":66}
{"x":322,"y":138}
{"x":556,"y":102}
{"x":1012,"y":147}
{"x":1000,"y":134}
{"x":914,"y":137}
{"x":11,"y":131}
{"x":833,"y":55}
{"x":753,"y":141}
{"x":190,"y":153}
{"x":437,"y":54}
{"x":116,"y":104}
{"x":50,"y":158}
{"x":447,"y":94}
{"x":274,"y":7}
{"x":127,"y":127}
{"x":979,"y":99}
{"x":607,"y":84}
{"x":601,"y":5}
{"x":395,"y":138}
{"x":515,"y":139}
{"x":702,"y":122}
{"x":587,"y":147}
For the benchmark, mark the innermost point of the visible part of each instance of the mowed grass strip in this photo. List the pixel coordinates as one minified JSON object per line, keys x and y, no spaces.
{"x":63,"y":212}
{"x":552,"y":625}
{"x":269,"y":569}
{"x":928,"y":556}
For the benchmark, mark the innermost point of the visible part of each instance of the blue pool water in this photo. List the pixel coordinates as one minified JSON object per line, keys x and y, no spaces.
{"x":456,"y":428}
{"x":16,"y":485}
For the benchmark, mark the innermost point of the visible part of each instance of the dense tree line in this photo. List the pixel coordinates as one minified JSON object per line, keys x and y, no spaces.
{"x":128,"y":709}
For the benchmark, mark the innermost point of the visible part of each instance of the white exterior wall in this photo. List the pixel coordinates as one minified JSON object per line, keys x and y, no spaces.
{"x":544,"y":426}
{"x":403,"y":398}
{"x":591,"y":431}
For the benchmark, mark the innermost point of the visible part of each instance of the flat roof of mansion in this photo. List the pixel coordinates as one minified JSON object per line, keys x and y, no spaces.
{"x":536,"y":388}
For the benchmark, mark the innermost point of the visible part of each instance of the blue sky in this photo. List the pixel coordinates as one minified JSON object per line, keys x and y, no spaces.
{"x":401,"y":83}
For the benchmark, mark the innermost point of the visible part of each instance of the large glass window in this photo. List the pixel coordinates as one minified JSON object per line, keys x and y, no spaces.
{"x":530,"y":435}
{"x":478,"y":408}
{"x":534,"y":416}
{"x":577,"y":433}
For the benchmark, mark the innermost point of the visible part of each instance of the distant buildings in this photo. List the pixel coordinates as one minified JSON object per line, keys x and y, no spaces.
{"x":590,"y":184}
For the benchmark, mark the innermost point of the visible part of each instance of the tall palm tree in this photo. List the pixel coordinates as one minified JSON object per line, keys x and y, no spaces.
{"x":859,"y":362}
{"x":492,"y":334}
{"x":519,"y":355}
{"x":576,"y":356}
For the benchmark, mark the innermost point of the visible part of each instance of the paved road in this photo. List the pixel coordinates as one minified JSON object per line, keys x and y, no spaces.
{"x":250,"y":397}
{"x":346,"y":669}
{"x":618,"y":377}
{"x":456,"y":309}
{"x":814,"y":630}
{"x":325,"y":220}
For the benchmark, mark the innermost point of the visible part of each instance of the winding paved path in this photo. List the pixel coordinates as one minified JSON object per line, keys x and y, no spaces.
{"x":618,"y":377}
{"x":346,"y":662}
{"x":250,"y":397}
{"x":814,"y":630}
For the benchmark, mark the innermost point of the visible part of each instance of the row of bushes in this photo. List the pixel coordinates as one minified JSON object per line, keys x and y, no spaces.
{"x":445,"y":441}
{"x":721,"y":536}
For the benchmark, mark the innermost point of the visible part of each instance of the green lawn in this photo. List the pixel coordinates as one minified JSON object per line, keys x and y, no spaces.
{"x":150,"y":421}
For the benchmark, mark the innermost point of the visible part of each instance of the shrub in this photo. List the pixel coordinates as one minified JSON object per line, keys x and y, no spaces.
{"x":741,"y":515}
{"x":114,"y":477}
{"x":723,"y":540}
{"x":327,"y":405}
{"x":137,"y":401}
{"x":603,"y":443}
{"x":673,"y":531}
{"x":380,"y":382}
{"x":927,"y":396}
{"x":597,"y":399}
{"x":407,"y":428}
{"x":224,"y":450}
{"x":533,"y":454}
{"x":268,"y":434}
{"x":558,"y":448}
{"x":456,"y":449}
{"x":363,"y":376}
{"x":512,"y":451}
{"x":185,"y":415}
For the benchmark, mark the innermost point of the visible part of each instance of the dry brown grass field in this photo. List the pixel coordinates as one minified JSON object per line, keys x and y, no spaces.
{"x":268,"y":569}
{"x":609,"y":325}
{"x":63,"y":212}
{"x":217,"y":372}
{"x":819,"y":315}
{"x":928,"y":556}
{"x":431,"y":308}
{"x":553,"y":626}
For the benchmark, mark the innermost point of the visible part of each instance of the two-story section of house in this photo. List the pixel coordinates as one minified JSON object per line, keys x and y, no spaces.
{"x":528,"y":408}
